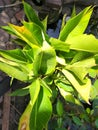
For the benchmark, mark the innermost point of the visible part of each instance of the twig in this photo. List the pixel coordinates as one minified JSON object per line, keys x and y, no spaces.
{"x":11,"y":5}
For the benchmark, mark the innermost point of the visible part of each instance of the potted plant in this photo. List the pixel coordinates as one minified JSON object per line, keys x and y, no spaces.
{"x":52,"y":67}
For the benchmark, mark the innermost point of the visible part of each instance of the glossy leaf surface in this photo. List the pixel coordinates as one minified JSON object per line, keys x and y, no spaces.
{"x":83,"y":89}
{"x":41,"y":112}
{"x":77,"y":23}
{"x":45,"y":61}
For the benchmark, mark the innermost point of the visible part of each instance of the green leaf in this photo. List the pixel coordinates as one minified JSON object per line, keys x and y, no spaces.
{"x":59,"y":45}
{"x":14,"y":72}
{"x":92,"y":73}
{"x":82,"y":89}
{"x":96,"y":58}
{"x":73,"y":12}
{"x":59,"y":108}
{"x":82,"y":25}
{"x":63,"y":21}
{"x":96,"y":123}
{"x":67,"y":95}
{"x":44,"y":22}
{"x":77,"y":120}
{"x":41,"y":112}
{"x":64,"y":86}
{"x":76,"y":25}
{"x":29,"y":55}
{"x":96,"y":84}
{"x":46,"y":87}
{"x":24,"y":67}
{"x":80,"y":56}
{"x":60,"y":60}
{"x":35,"y":30}
{"x":94,"y":90}
{"x":19,"y":42}
{"x":34,"y":89}
{"x":14,"y":55}
{"x":80,"y":69}
{"x":25,"y":118}
{"x":8,"y":29}
{"x":45,"y":61}
{"x":21,"y":92}
{"x":24,"y":34}
{"x":84,"y":42}
{"x":31,"y":15}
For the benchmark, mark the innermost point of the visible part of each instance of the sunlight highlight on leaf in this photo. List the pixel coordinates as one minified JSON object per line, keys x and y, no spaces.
{"x":83,"y":89}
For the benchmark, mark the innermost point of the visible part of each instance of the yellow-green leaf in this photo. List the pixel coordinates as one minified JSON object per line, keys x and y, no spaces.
{"x":82,"y":89}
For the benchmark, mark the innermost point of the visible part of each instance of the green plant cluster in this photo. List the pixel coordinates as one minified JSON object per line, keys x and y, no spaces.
{"x":54,"y":68}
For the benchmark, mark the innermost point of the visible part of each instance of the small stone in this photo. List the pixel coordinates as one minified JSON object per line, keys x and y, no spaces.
{"x":4,"y":37}
{"x":13,"y":20}
{"x":4,"y":18}
{"x":10,"y":12}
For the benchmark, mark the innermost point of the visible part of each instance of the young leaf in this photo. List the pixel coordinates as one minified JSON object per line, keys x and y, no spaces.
{"x":73,"y":12}
{"x":82,"y":25}
{"x":74,"y":24}
{"x":44,"y":22}
{"x":63,"y":21}
{"x":31,"y":15}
